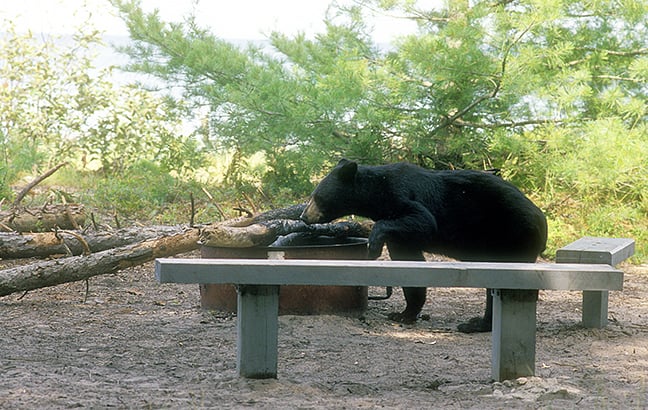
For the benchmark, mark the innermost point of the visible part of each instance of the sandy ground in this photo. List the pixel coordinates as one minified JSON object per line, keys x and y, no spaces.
{"x":137,"y":344}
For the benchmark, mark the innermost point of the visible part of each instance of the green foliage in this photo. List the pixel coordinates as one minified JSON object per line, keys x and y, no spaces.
{"x":121,"y":142}
{"x":590,"y":180}
{"x":144,"y":193}
{"x":146,"y":188}
{"x":21,"y":85}
{"x":55,"y":106}
{"x":552,"y":92}
{"x":282,"y":107}
{"x":436,"y":98}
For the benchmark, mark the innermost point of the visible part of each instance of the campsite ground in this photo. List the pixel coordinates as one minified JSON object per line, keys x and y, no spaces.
{"x":137,"y":344}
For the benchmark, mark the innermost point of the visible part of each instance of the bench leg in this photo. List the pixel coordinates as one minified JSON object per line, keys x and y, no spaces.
{"x":595,"y":308}
{"x":514,"y":333}
{"x":257,"y":328}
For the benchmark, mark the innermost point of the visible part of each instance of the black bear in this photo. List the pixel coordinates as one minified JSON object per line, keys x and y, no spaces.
{"x":466,"y":215}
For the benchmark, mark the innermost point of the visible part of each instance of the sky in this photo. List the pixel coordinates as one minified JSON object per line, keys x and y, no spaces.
{"x":238,"y":19}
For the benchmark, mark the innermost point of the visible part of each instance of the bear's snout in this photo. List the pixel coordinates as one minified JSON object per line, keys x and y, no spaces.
{"x":311,"y":214}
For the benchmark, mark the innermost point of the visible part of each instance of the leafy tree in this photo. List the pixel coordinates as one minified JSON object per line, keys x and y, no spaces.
{"x":551,"y":91}
{"x":438,"y":97}
{"x":295,"y":109}
{"x":56,"y":106}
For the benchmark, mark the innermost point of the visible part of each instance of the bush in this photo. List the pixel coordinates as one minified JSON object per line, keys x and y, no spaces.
{"x":141,"y":192}
{"x":590,"y":181}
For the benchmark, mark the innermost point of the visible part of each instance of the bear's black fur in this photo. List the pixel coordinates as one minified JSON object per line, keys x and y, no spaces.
{"x":466,"y":215}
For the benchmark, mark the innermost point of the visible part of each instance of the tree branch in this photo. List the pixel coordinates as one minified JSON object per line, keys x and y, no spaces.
{"x":510,"y":124}
{"x":498,"y":83}
{"x":614,"y":77}
{"x":35,"y":182}
{"x":632,"y":53}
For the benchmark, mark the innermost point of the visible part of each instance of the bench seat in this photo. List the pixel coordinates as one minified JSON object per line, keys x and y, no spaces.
{"x":514,"y":304}
{"x":390,"y":273}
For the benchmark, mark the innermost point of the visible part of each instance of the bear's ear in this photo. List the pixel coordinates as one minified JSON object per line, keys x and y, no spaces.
{"x":347,"y":169}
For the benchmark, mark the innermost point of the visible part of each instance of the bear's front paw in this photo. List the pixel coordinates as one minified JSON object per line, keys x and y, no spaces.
{"x":402,"y":317}
{"x":475,"y":325}
{"x":376,"y":243}
{"x":375,"y":250}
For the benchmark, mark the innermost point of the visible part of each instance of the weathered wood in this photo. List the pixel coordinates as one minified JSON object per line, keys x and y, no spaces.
{"x":35,"y":182}
{"x":514,"y":333}
{"x":56,"y":272}
{"x":589,"y":249}
{"x":15,"y":245}
{"x":257,"y":331}
{"x":291,"y":212}
{"x":223,"y":236}
{"x":391,"y":273}
{"x":44,"y":219}
{"x":266,"y":232}
{"x":264,"y":228}
{"x":514,"y":307}
{"x":611,"y":251}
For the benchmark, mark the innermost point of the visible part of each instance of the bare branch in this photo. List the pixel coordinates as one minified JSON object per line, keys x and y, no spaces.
{"x":510,"y":124}
{"x":35,"y":182}
{"x":631,"y":53}
{"x":415,"y":14}
{"x":617,"y":78}
{"x":497,"y":80}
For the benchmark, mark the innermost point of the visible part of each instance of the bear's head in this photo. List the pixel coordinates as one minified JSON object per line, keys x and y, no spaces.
{"x":334,"y":195}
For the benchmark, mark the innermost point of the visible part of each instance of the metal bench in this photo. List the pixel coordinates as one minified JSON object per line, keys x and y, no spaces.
{"x":514,"y":304}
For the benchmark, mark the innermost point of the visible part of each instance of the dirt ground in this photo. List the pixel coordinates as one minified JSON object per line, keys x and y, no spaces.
{"x":137,"y":344}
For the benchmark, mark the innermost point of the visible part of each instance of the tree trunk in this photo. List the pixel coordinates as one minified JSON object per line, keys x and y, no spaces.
{"x":265,"y":233}
{"x":39,"y":245}
{"x":44,"y":219}
{"x":292,"y":212}
{"x":51,"y":273}
{"x":259,"y":230}
{"x":265,"y":228}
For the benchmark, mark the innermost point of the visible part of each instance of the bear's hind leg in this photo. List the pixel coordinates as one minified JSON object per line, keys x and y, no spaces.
{"x":485,"y":324}
{"x":480,"y":324}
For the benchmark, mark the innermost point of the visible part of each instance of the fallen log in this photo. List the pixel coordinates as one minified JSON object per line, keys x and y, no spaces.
{"x":267,"y":227}
{"x":69,"y":216}
{"x":15,"y":245}
{"x":258,"y":230}
{"x":75,"y":268}
{"x":267,"y":232}
{"x":292,"y":212}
